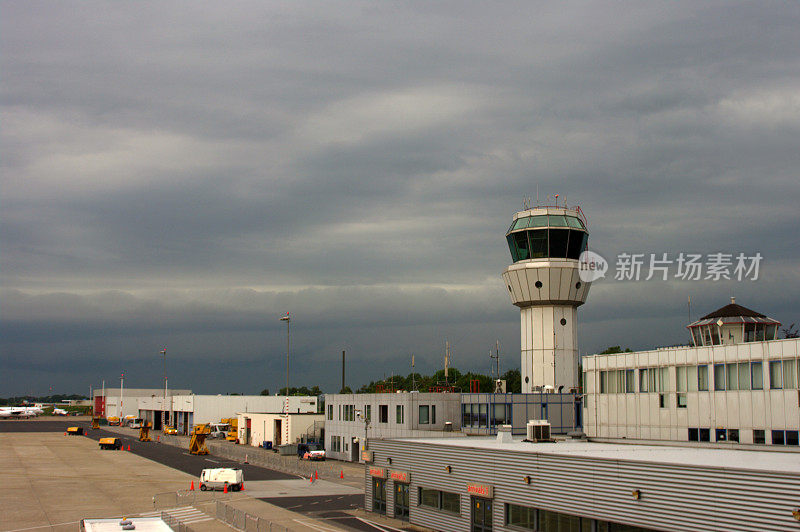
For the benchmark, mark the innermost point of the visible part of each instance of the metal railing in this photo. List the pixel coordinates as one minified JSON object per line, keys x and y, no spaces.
{"x":182,"y":498}
{"x":241,"y":520}
{"x":174,"y":523}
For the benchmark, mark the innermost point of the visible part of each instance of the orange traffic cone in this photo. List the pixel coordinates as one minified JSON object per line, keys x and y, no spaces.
{"x":225,"y":488}
{"x":341,"y":475}
{"x":316,"y":476}
{"x":241,"y":488}
{"x":129,"y":447}
{"x":191,"y":488}
{"x":65,"y":434}
{"x":311,"y":480}
{"x":245,"y":459}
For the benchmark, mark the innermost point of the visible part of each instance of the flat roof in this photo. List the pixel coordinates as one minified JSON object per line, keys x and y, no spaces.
{"x":782,"y":462}
{"x":147,"y":524}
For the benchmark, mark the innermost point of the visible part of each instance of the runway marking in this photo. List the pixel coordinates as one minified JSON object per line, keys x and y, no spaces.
{"x":210,"y":460}
{"x":385,"y":528}
{"x":316,"y":526}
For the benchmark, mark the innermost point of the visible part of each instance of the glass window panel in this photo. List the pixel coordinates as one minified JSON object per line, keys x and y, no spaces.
{"x":664,"y":379}
{"x":775,"y":375}
{"x":558,"y":243}
{"x":558,"y":220}
{"x":719,"y":377}
{"x":681,"y":400}
{"x":538,"y":221}
{"x":538,"y":239}
{"x":521,"y":223}
{"x":629,"y":381}
{"x":680,"y":374}
{"x":744,"y":375}
{"x":512,"y":247}
{"x":424,"y":413}
{"x":643,"y":380}
{"x":466,"y":415}
{"x":521,"y":242}
{"x":612,"y":382}
{"x":653,"y":379}
{"x":691,"y":378}
{"x":757,"y":372}
{"x":575,"y":246}
{"x":574,"y":222}
{"x":482,"y":411}
{"x":702,"y":378}
{"x":451,"y":502}
{"x":429,"y":497}
{"x":603,"y":382}
{"x":790,"y":374}
{"x":732,"y":373}
{"x":433,"y":414}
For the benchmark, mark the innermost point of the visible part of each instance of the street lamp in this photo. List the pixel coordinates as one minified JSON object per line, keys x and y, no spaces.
{"x":164,"y":413}
{"x":363,"y":417}
{"x":287,"y":319}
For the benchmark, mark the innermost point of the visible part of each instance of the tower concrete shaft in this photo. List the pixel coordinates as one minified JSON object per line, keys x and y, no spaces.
{"x":544,"y":282}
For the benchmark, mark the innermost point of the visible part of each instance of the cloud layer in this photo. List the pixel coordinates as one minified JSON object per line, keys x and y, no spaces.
{"x":182,"y":175}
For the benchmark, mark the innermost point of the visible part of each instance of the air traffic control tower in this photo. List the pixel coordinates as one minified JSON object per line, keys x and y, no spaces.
{"x":543,"y":281}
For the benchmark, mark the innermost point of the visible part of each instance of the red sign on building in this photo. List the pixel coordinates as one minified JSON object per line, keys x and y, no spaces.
{"x":399,"y":476}
{"x":377,"y":472}
{"x":481,"y":490}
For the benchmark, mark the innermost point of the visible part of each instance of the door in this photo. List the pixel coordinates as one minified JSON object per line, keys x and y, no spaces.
{"x":379,"y":495}
{"x":355,"y":455}
{"x":278,"y":432}
{"x":401,"y":501}
{"x":481,"y":515}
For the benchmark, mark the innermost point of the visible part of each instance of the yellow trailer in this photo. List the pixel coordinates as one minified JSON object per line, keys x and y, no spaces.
{"x":110,"y":443}
{"x":197,"y":444}
{"x":75,"y":431}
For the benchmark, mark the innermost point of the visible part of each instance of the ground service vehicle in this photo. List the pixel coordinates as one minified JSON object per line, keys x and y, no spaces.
{"x":135,"y":423}
{"x":310,"y":451}
{"x":113,"y":420}
{"x":233,"y":428}
{"x":144,"y":431}
{"x":75,"y":431}
{"x":197,"y":443}
{"x":170,"y":430}
{"x":110,"y":443}
{"x":211,"y":479}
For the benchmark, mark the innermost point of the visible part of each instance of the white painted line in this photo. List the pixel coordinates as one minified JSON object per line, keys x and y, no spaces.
{"x":187,"y":521}
{"x":210,"y":460}
{"x":385,"y":528}
{"x":316,"y":526}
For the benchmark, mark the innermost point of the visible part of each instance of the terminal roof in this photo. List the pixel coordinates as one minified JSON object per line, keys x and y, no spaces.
{"x":778,"y":461}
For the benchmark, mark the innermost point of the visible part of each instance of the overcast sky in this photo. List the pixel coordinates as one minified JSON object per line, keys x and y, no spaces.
{"x":180,"y":175}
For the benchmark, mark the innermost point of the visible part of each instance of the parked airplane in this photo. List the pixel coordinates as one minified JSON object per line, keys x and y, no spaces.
{"x":60,"y":412}
{"x":19,"y":411}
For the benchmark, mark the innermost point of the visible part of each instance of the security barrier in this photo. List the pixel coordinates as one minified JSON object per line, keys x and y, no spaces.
{"x":182,"y":498}
{"x":241,"y":520}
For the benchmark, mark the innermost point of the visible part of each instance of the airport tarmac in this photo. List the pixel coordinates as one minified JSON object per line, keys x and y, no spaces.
{"x":51,"y":481}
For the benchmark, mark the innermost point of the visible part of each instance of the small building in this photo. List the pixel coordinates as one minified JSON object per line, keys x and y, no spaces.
{"x":121,"y":402}
{"x":736,"y":385}
{"x":349,"y":418}
{"x":188,"y":410}
{"x":256,"y":428}
{"x":492,"y":484}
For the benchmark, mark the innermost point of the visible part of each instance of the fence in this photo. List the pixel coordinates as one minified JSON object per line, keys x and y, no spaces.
{"x":241,"y":520}
{"x":174,"y":523}
{"x":181,"y":498}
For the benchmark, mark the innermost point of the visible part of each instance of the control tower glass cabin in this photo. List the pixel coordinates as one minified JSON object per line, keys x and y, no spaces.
{"x":543,"y":281}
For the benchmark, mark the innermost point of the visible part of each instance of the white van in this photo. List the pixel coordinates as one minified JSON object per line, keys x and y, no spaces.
{"x":211,"y":479}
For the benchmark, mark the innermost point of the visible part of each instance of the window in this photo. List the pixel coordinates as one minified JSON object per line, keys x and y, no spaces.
{"x":538,"y":240}
{"x":662,"y":400}
{"x":691,"y":377}
{"x":775,"y":375}
{"x":466,"y":415}
{"x":653,"y":376}
{"x":603,"y":382}
{"x":521,"y":516}
{"x":702,"y":378}
{"x":680,"y":378}
{"x":792,"y":437}
{"x":383,"y":413}
{"x":399,"y":417}
{"x":501,"y":414}
{"x":720,"y":435}
{"x":330,"y":412}
{"x":433,"y":414}
{"x":790,"y":373}
{"x":643,"y":380}
{"x":719,"y":377}
{"x":759,"y":436}
{"x":663,"y":379}
{"x":705,"y":435}
{"x":757,"y":375}
{"x":732,"y":381}
{"x":777,"y":437}
{"x":368,"y":412}
{"x":558,"y":242}
{"x":629,"y":378}
{"x":694,"y":435}
{"x":424,"y":414}
{"x":681,"y":400}
{"x":733,"y":435}
{"x":483,"y":409}
{"x":440,"y":500}
{"x":744,"y":375}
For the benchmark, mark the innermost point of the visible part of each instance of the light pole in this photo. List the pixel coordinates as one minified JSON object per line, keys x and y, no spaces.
{"x":362,"y":415}
{"x":287,"y":319}
{"x":164,"y":413}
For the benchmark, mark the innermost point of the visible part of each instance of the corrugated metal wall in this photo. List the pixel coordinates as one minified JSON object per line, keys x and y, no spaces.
{"x":673,"y":497}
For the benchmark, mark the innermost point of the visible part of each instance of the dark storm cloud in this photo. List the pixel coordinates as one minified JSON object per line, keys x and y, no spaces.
{"x":183,"y":174}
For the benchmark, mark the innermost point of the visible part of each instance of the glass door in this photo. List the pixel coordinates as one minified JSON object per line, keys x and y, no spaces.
{"x":401,"y":501}
{"x":379,"y":495}
{"x":481,"y":515}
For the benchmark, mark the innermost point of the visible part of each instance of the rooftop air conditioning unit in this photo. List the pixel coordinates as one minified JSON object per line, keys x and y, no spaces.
{"x":499,"y":386}
{"x":538,"y":430}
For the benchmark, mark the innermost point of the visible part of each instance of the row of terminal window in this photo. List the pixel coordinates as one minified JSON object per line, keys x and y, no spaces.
{"x":426,"y":413}
{"x":779,"y":437}
{"x":525,"y":517}
{"x":485,"y":415}
{"x":731,"y":376}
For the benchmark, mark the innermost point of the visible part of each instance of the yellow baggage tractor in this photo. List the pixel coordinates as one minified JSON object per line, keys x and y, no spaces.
{"x":110,"y":443}
{"x":75,"y":431}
